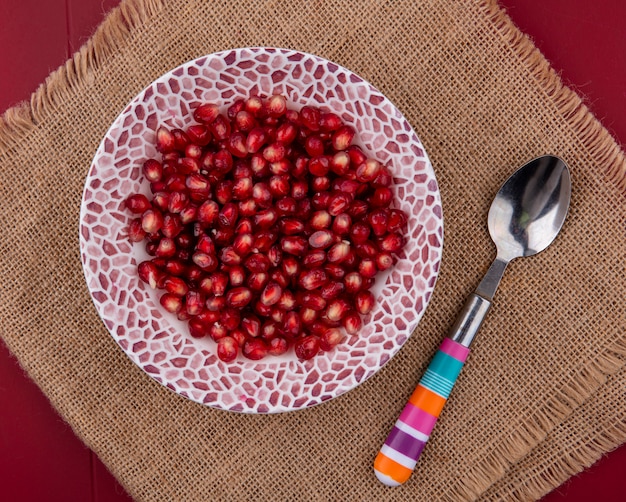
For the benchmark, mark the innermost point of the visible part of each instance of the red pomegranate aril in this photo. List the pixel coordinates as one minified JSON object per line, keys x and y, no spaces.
{"x":181,"y":140}
{"x":334,"y":270}
{"x":171,"y":303}
{"x":264,"y":240}
{"x":152,"y":170}
{"x":367,"y":171}
{"x":320,"y":200}
{"x":188,"y":165}
{"x":223,"y":161}
{"x":329,"y":121}
{"x":314,"y":258}
{"x":177,"y":201}
{"x":228,"y":256}
{"x":165,"y":141}
{"x":384,"y":260}
{"x":275,"y":256}
{"x":367,"y":268}
{"x":205,"y":261}
{"x":290,"y":266}
{"x":237,"y":106}
{"x":220,"y":128}
{"x":230,"y":318}
{"x":342,"y":224}
{"x":278,"y":315}
{"x":236,"y":275}
{"x":257,"y":262}
{"x":266,"y":218}
{"x":277,"y":346}
{"x":227,"y":349}
{"x":286,"y":133}
{"x":197,"y":328}
{"x":352,"y":323}
{"x":299,"y":190}
{"x":276,"y":105}
{"x":397,"y":220}
{"x":392,"y":243}
{"x":199,"y":136}
{"x":310,"y":117}
{"x":287,"y":300}
{"x":294,"y":245}
{"x":227,"y":217}
{"x":257,"y":280}
{"x":136,"y":233}
{"x":239,"y":335}
{"x":313,"y":300}
{"x":224,"y":191}
{"x":271,"y":294}
{"x":194,"y":302}
{"x":256,"y":139}
{"x":321,"y":239}
{"x":337,"y":309}
{"x":378,"y":220}
{"x":338,"y":253}
{"x":279,"y":185}
{"x":312,"y":279}
{"x":286,"y":206}
{"x":245,"y":226}
{"x":274,"y":152}
{"x":308,"y":316}
{"x":261,"y":309}
{"x":292,"y":324}
{"x":381,"y":197}
{"x":151,"y":221}
{"x":357,"y":156}
{"x":215,"y":303}
{"x":205,"y":244}
{"x":166,"y":248}
{"x":254,"y":349}
{"x":338,"y":203}
{"x":243,"y":244}
{"x":291,"y":226}
{"x":364,"y":302}
{"x":330,"y":338}
{"x":262,"y":195}
{"x":238,"y":297}
{"x":206,"y":113}
{"x":314,"y":146}
{"x":247,"y":207}
{"x":251,"y":325}
{"x":245,"y":121}
{"x":137,"y":203}
{"x":206,"y":285}
{"x":358,"y":209}
{"x":175,"y":183}
{"x":243,"y":188}
{"x":217,"y":331}
{"x":236,"y":144}
{"x":367,"y":249}
{"x":188,"y":214}
{"x":307,"y":347}
{"x":175,"y":267}
{"x":269,"y":330}
{"x":340,"y":163}
{"x":360,"y":232}
{"x":343,"y":137}
{"x":148,"y":273}
{"x":353,"y":282}
{"x":332,"y":290}
{"x":254,"y":104}
{"x":320,"y":183}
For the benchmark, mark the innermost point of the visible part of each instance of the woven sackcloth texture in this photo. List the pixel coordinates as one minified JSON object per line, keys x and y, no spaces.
{"x":542,"y":394}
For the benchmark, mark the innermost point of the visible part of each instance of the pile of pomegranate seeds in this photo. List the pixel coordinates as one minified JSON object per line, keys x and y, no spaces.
{"x":267,"y":227}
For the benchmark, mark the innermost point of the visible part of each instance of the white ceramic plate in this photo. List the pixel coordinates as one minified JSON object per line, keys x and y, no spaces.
{"x":160,"y":344}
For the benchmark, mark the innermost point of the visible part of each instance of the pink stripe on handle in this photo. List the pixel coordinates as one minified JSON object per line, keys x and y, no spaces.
{"x":454,"y":349}
{"x":418,"y":419}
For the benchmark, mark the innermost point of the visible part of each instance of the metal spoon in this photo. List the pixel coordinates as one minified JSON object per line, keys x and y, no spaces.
{"x":525,"y":217}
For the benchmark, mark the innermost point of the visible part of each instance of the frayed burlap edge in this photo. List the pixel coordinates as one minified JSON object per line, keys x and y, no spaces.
{"x":117,"y":30}
{"x":600,"y":145}
{"x":114,"y":32}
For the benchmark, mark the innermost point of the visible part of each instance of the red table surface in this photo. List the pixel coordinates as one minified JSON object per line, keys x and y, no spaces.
{"x":40,"y":457}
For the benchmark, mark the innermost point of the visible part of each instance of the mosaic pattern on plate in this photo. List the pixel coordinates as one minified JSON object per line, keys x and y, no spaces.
{"x":155,"y":340}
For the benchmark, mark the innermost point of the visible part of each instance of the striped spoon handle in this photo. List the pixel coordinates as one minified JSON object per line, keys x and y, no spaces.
{"x":404,"y":444}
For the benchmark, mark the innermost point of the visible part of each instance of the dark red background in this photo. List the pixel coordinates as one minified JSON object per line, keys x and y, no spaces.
{"x":40,"y":457}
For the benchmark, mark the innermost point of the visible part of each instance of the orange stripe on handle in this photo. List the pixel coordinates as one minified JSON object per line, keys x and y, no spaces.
{"x":391,"y":469}
{"x":427,"y":400}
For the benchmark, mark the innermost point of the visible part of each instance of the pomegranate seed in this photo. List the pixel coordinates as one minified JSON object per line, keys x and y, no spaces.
{"x":237,"y":106}
{"x":357,"y":156}
{"x":254,"y":104}
{"x":342,"y":224}
{"x":339,"y":252}
{"x":353,"y":282}
{"x":314,"y":146}
{"x":313,"y":301}
{"x":206,"y":113}
{"x":255,"y":349}
{"x":205,"y":261}
{"x":264,"y":240}
{"x":364,"y":302}
{"x":194,"y":302}
{"x":219,"y":281}
{"x":205,"y":244}
{"x":275,"y":256}
{"x":137,"y":203}
{"x":286,"y":133}
{"x":299,"y":189}
{"x":382,"y":197}
{"x":269,"y":330}
{"x":340,"y":163}
{"x":220,"y":128}
{"x":314,"y":259}
{"x":257,"y":263}
{"x":257,"y":280}
{"x":313,"y":279}
{"x":230,"y":318}
{"x":287,"y":300}
{"x":266,"y":218}
{"x":397,"y":220}
{"x":242,"y":189}
{"x":358,"y":209}
{"x":384,"y":260}
{"x":227,"y":217}
{"x":237,"y":144}
{"x":244,"y":226}
{"x":262,"y":195}
{"x":292,"y":324}
{"x":332,"y":290}
{"x":148,"y":273}
{"x":320,"y":183}
{"x":335,"y":270}
{"x":343,"y":137}
{"x":337,"y":309}
{"x":294,"y":245}
{"x":217,"y":331}
{"x":175,"y":268}
{"x":200,"y":136}
{"x":392,"y":243}
{"x":165,"y":141}
{"x":215,"y":303}
{"x":181,"y":140}
{"x":208,"y":212}
{"x":367,"y":268}
{"x":227,"y":349}
{"x":338,"y":203}
{"x":236,"y":275}
{"x":321,"y":239}
{"x":330,"y":339}
{"x":223,"y":161}
{"x":291,"y":226}
{"x":136,"y":233}
{"x":166,"y":248}
{"x":188,"y":214}
{"x":307,"y":347}
{"x":197,"y":328}
{"x":378,"y":220}
{"x":359,"y":233}
{"x":152,"y":170}
{"x":171,"y":303}
{"x":352,"y":323}
{"x":271,"y":294}
{"x":279,"y":185}
{"x":320,"y":200}
{"x":262,"y":310}
{"x":276,"y":105}
{"x":290,"y":266}
{"x":329,"y":122}
{"x":286,"y":206}
{"x":256,"y":139}
{"x":277,"y":346}
{"x":251,"y":325}
{"x":243,"y":244}
{"x":320,"y":220}
{"x":229,"y":256}
{"x":308,"y":316}
{"x":238,"y":297}
{"x":247,"y":207}
{"x":368,"y":170}
{"x":310,"y":117}
{"x":274,"y":152}
{"x":151,"y":221}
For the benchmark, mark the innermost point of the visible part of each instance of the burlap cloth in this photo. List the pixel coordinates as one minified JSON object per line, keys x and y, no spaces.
{"x":543,"y":393}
